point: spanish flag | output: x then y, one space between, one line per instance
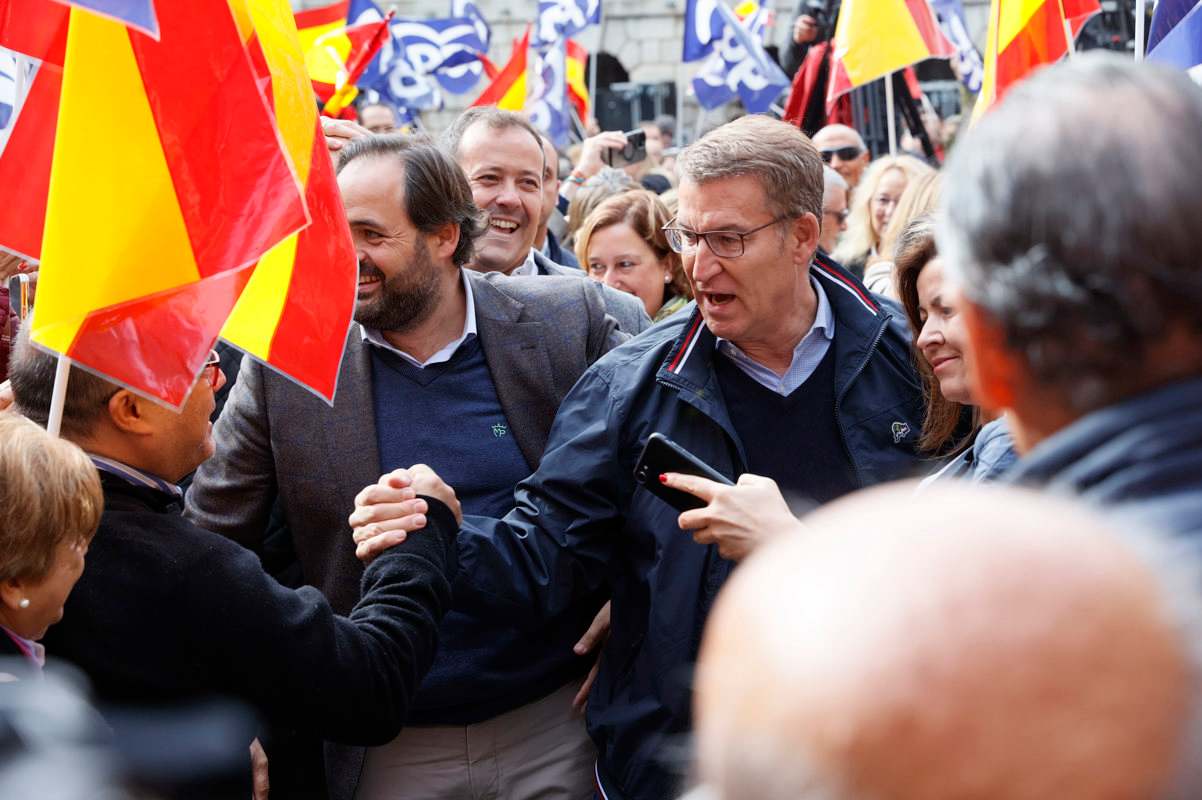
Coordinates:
178 190
167 185
337 52
295 313
577 60
508 88
875 38
1024 35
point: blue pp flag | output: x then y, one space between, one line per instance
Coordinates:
135 13
561 19
702 28
463 78
738 65
970 65
1176 36
547 101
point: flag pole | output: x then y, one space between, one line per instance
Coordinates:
592 69
1141 16
58 397
1070 47
889 115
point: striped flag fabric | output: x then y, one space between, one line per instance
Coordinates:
366 40
1024 35
35 28
297 308
875 38
148 241
26 149
508 89
139 14
1176 36
577 81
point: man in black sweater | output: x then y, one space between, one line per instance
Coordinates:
167 613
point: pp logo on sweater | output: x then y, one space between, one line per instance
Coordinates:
900 431
499 430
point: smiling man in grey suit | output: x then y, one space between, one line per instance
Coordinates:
502 155
449 365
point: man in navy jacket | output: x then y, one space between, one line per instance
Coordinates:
1082 306
786 367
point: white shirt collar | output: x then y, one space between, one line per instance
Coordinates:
375 337
134 475
527 267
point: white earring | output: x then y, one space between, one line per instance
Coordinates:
24 603
667 279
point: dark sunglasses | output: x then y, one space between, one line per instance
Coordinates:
844 153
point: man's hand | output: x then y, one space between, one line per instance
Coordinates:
6 396
805 29
388 510
591 160
738 517
596 635
260 784
340 131
426 481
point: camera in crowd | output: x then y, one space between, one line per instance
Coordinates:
825 13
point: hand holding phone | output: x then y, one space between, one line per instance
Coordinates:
634 151
661 455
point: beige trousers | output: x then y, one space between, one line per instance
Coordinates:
540 751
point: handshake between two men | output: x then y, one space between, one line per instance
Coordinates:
736 518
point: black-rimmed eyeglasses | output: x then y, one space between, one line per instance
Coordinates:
723 244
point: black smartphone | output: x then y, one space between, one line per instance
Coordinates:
634 151
661 454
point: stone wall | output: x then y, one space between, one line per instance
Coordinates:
645 35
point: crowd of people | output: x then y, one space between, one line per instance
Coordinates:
461 580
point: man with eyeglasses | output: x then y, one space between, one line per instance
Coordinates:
844 149
785 367
834 209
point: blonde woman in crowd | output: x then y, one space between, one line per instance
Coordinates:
622 244
872 206
50 505
920 197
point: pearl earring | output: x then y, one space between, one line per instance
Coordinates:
667 279
24 603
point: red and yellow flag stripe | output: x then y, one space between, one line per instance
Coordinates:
296 310
1024 35
168 183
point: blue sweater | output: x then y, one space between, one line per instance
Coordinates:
448 416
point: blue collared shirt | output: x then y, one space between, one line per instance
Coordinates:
806 356
135 476
375 337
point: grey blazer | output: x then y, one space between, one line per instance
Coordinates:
625 308
538 335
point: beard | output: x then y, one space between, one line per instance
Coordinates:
406 299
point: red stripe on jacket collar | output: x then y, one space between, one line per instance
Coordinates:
827 270
686 344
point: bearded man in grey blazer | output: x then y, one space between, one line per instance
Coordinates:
443 364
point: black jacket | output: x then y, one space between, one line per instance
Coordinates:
582 520
168 613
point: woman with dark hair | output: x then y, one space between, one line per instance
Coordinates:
940 344
622 244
